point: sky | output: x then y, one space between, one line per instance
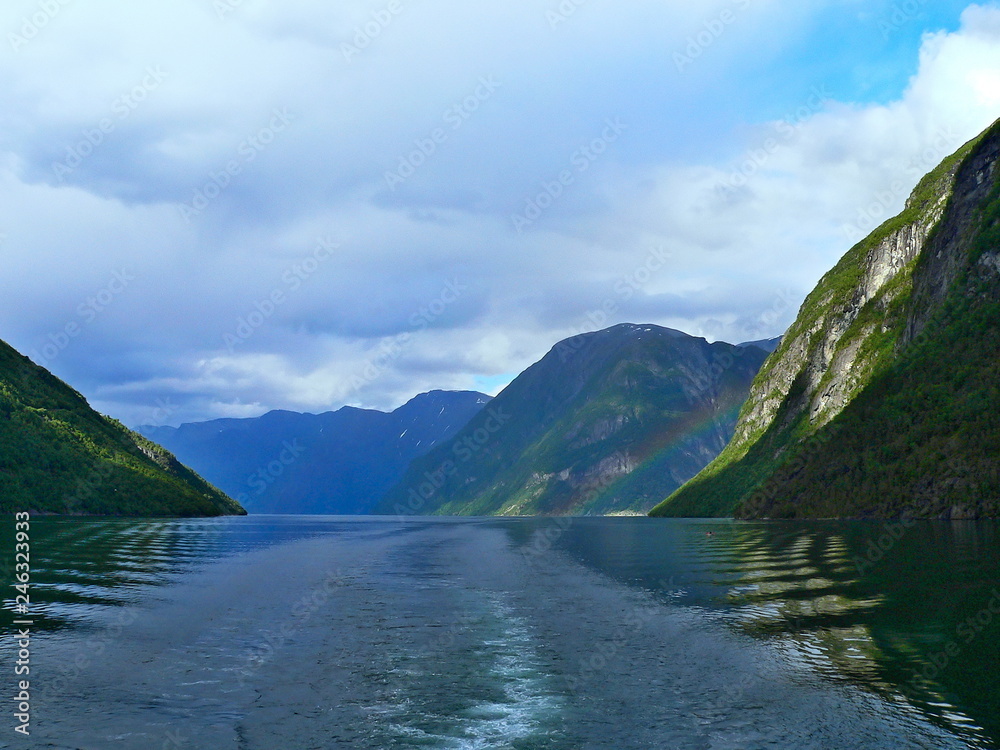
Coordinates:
215 208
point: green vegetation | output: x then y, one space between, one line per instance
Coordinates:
923 438
57 455
917 431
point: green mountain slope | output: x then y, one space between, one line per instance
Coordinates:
57 455
605 422
881 399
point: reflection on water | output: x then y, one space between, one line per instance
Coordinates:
81 567
910 612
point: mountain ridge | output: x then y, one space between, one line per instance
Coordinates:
338 462
602 423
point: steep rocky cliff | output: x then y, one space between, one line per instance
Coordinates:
607 421
866 320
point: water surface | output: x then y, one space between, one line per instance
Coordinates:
305 632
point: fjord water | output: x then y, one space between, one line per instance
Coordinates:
305 632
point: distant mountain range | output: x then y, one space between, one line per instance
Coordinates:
606 422
339 462
609 421
883 399
57 455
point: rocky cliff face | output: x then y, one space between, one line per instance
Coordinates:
851 332
833 348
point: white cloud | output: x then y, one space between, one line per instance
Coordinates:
643 231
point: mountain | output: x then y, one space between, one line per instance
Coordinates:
882 399
337 463
57 455
605 422
768 345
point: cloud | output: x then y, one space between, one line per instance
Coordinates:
206 152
